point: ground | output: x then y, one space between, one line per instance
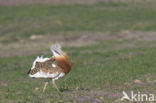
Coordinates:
112 46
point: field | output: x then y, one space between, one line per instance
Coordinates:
112 46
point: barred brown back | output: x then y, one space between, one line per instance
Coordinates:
46 66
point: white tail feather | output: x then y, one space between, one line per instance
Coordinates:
56 50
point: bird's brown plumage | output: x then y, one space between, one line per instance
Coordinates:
63 64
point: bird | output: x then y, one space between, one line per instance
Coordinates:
51 68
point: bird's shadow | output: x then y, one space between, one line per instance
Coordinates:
65 90
71 90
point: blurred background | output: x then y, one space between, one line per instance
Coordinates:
112 44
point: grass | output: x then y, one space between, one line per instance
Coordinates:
101 69
110 17
91 70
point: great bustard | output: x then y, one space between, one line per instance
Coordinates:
52 68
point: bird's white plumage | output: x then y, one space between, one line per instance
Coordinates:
42 74
56 50
60 75
53 65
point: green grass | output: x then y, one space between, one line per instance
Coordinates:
55 19
101 68
93 70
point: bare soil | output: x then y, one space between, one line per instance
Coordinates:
40 43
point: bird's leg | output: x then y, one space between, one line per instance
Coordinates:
53 82
45 85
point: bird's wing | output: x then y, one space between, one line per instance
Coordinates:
46 69
49 70
40 65
50 66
